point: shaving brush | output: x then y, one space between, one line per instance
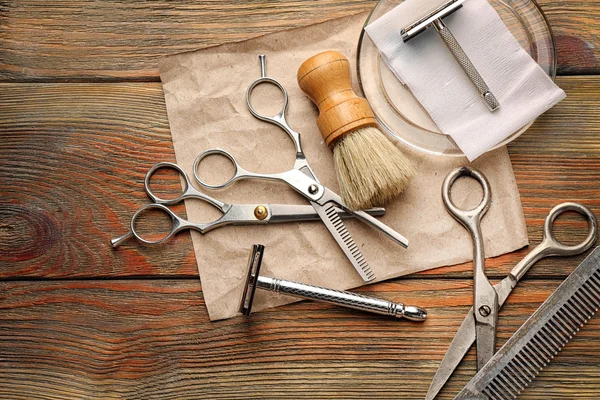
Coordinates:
370 169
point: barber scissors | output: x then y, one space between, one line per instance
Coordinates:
479 325
302 179
233 214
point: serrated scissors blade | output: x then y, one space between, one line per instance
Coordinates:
463 340
336 227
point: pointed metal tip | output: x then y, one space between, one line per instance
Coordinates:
116 242
433 391
414 313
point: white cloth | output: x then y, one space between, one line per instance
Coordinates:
435 78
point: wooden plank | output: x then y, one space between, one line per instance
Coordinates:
73 159
72 173
575 26
123 39
152 340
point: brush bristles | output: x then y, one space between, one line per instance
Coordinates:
371 171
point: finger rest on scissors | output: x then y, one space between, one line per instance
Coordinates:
466 216
116 242
553 246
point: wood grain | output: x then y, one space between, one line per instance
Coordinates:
123 39
73 159
152 340
575 26
79 320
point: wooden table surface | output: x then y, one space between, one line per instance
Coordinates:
82 117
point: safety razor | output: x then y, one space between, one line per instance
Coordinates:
434 18
309 292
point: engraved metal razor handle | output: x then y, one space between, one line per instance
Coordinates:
466 64
341 298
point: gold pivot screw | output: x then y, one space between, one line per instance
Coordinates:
260 212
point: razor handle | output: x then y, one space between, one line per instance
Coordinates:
466 64
341 298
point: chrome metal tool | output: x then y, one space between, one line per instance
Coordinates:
549 247
485 298
541 337
302 179
309 292
232 214
433 17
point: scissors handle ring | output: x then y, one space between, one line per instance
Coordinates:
176 225
278 118
485 297
557 248
550 246
166 165
238 170
466 217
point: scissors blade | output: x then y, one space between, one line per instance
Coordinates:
330 196
331 219
290 213
380 226
463 340
486 341
366 217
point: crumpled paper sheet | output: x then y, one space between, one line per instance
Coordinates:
205 93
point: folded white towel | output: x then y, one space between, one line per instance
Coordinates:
427 67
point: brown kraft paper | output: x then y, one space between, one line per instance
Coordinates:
205 93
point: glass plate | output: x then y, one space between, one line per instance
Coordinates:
401 114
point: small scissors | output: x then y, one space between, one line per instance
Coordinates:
233 214
302 179
480 323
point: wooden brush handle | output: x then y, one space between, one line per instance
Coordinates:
326 80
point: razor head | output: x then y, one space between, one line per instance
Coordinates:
444 9
254 263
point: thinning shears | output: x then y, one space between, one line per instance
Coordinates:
233 214
480 323
302 179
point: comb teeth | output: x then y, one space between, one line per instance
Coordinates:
353 251
549 339
541 337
